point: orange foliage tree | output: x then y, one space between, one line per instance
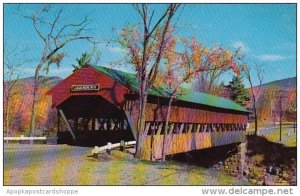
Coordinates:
184 67
146 45
267 106
14 59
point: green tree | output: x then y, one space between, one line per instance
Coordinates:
84 60
238 92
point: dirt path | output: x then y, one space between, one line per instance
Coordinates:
69 165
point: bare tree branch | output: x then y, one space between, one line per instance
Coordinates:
54 23
13 62
55 37
258 71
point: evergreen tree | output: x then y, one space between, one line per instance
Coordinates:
238 92
84 60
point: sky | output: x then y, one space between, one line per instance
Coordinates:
265 32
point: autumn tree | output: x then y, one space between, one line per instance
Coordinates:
14 59
292 105
206 82
146 44
292 111
184 67
55 32
267 105
254 90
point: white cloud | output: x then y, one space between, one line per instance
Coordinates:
270 57
242 45
115 49
28 70
62 72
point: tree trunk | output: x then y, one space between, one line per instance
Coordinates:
255 114
255 121
145 79
141 118
295 124
271 112
166 129
35 98
7 116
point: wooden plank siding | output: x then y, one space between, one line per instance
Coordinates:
184 137
110 90
190 115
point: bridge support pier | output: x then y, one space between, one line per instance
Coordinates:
242 151
235 163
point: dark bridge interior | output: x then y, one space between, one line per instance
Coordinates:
94 121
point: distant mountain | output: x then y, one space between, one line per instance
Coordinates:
268 100
21 103
43 80
283 84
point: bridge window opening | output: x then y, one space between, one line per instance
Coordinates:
157 127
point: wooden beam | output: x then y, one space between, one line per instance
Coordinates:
171 127
100 124
131 124
75 124
198 128
93 123
147 127
58 122
66 121
23 138
97 150
190 127
160 126
181 128
204 127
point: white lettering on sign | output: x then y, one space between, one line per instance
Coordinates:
85 87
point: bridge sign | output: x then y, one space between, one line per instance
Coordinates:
85 87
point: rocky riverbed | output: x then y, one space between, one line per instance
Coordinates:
270 163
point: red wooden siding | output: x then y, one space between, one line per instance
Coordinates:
109 88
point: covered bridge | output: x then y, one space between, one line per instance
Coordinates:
99 105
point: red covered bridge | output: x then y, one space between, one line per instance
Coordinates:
99 105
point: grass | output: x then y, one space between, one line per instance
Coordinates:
273 134
288 138
139 172
69 165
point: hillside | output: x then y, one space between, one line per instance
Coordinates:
284 83
268 100
21 103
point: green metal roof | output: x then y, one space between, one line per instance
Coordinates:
130 80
